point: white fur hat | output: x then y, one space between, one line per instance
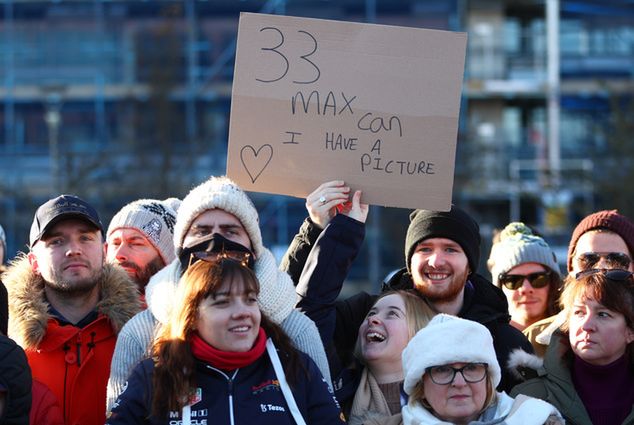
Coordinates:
448 339
154 218
224 194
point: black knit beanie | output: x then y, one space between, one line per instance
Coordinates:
455 224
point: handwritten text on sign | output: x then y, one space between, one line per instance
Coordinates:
376 106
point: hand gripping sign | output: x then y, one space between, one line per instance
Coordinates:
374 105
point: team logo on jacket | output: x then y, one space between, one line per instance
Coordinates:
268 385
196 396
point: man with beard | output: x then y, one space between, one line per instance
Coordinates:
66 306
140 238
442 251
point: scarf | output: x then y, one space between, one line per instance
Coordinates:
227 360
369 405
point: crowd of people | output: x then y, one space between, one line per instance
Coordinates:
176 313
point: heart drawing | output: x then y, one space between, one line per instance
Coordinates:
256 161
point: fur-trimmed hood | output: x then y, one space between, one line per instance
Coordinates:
28 307
523 365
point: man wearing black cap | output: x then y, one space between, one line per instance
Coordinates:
66 306
442 251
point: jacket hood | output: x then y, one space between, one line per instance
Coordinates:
28 307
483 302
276 300
523 365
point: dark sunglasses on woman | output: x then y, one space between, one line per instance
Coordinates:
515 281
613 260
612 274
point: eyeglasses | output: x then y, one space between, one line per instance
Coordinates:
614 260
445 374
515 281
612 274
211 256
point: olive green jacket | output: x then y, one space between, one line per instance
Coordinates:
553 383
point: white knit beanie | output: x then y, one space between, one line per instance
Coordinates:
448 339
154 218
224 194
173 203
517 246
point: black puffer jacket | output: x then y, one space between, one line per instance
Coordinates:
15 378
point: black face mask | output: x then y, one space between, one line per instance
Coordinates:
215 243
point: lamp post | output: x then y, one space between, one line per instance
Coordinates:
53 101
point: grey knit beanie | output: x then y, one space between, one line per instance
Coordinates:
448 339
517 246
3 237
277 293
224 194
154 218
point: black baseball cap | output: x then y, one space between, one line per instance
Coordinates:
61 208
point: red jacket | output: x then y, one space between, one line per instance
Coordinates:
44 409
73 362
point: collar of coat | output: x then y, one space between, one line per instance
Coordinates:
28 307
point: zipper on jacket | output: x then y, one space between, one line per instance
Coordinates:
232 420
78 345
230 388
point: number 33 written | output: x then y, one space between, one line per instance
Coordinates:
284 59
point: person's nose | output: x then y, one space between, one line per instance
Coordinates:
603 263
74 248
240 310
588 324
436 259
121 252
458 380
526 286
374 320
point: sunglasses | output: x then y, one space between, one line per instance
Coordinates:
212 256
515 281
612 274
614 260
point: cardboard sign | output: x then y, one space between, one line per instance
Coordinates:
376 106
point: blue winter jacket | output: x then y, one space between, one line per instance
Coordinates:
250 395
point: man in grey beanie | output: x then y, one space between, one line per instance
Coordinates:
140 239
215 207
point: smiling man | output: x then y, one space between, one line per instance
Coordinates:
442 251
66 306
140 238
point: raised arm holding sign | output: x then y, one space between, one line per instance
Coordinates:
316 100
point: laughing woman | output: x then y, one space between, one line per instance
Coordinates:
219 360
392 321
